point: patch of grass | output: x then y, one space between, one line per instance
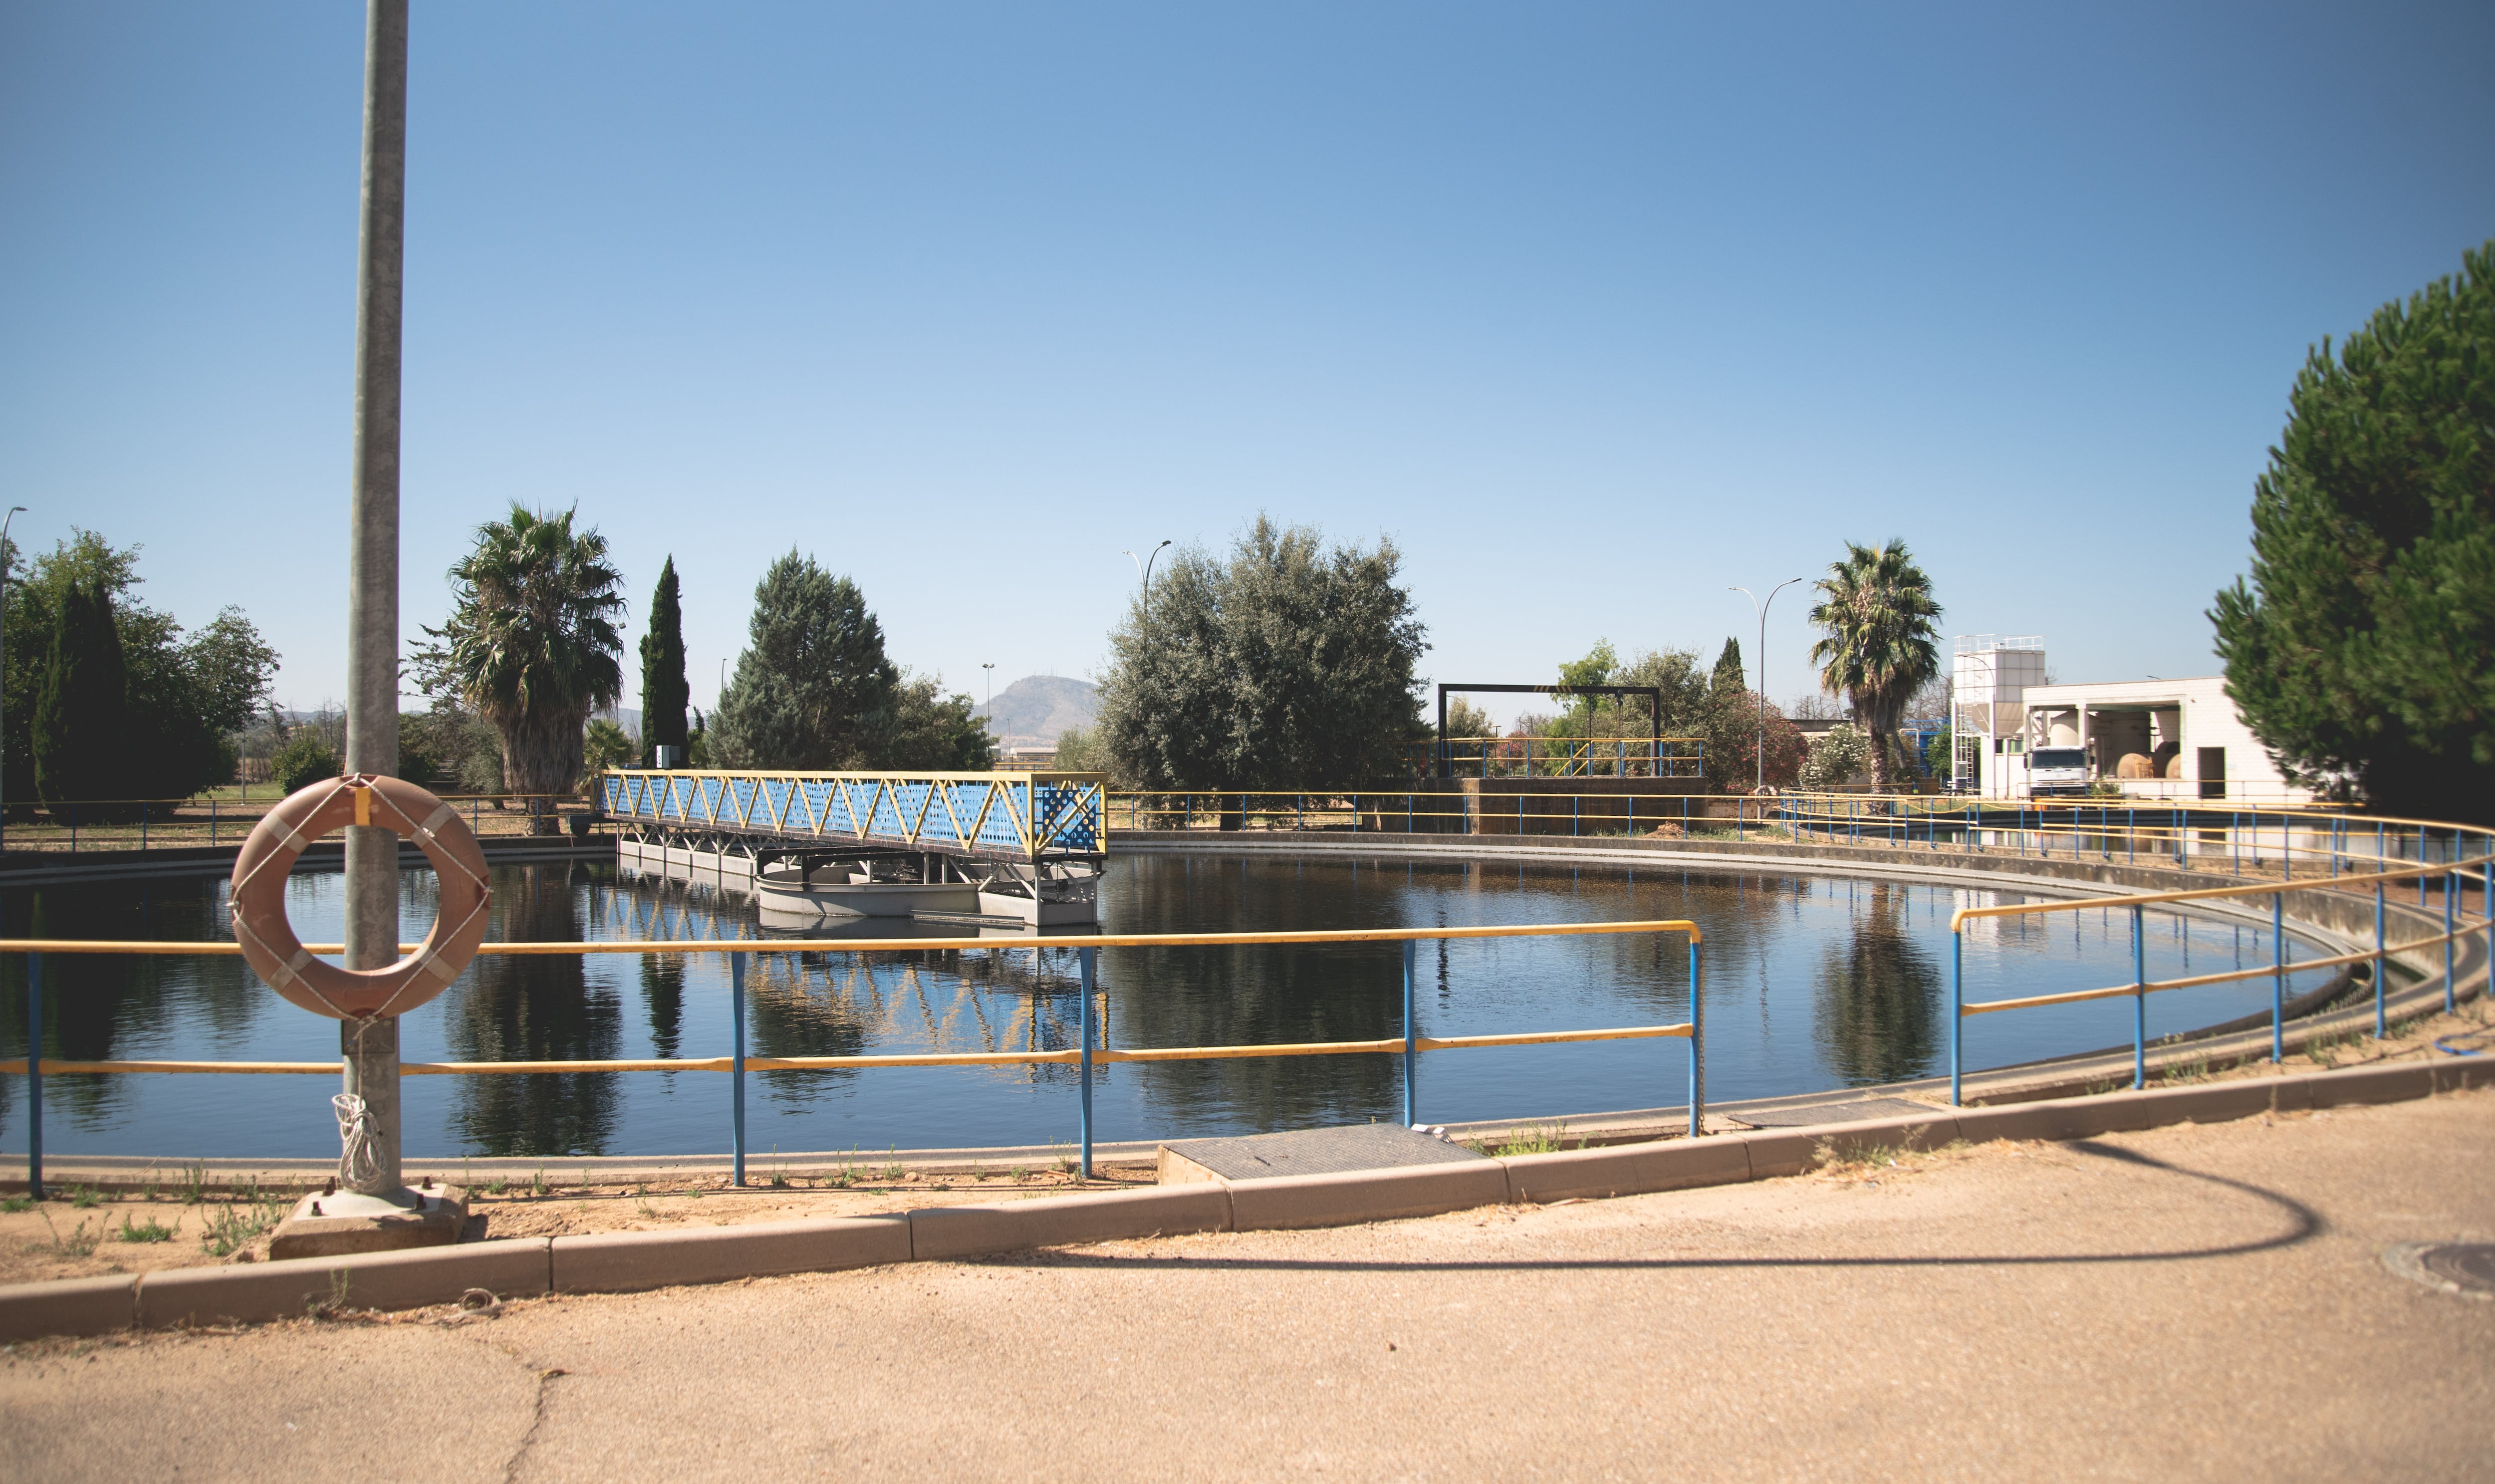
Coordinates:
16 1203
538 1181
85 1196
2328 1047
236 1225
497 1185
80 1243
194 1188
154 1231
1540 1139
778 1171
2193 1070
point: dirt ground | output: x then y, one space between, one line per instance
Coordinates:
85 1232
2188 1302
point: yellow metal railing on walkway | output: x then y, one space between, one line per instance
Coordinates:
737 1063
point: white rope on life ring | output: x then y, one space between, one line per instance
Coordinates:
267 858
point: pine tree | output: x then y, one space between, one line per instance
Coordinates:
664 693
81 716
2362 651
815 690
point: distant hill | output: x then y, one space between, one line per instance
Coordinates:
1032 711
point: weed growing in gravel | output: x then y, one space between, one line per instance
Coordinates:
84 1196
2326 1047
80 1243
1540 1139
154 1231
16 1203
235 1225
195 1182
538 1183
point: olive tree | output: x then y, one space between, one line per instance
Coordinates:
1284 664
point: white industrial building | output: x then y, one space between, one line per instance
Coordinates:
2177 739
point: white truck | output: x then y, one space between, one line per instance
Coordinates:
2058 770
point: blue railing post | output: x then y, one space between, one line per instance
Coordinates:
35 1075
2382 967
2139 1007
1411 1044
1697 1042
2447 928
2278 977
736 1064
1958 1007
1091 959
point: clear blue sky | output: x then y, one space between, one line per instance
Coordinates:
1593 309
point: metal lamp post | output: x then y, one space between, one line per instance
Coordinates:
1763 665
14 511
371 1045
1144 564
992 694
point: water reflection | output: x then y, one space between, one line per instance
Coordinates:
1810 984
1879 994
534 1010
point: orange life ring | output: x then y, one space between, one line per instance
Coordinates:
268 941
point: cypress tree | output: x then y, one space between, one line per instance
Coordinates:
81 716
2362 651
1729 674
665 692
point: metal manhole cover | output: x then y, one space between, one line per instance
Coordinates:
2465 1268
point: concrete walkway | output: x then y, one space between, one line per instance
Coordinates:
2186 1303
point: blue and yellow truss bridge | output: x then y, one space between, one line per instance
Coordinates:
1028 818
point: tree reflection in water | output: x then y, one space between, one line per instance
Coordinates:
1879 994
531 1008
98 1008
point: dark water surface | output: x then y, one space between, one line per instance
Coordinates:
1811 983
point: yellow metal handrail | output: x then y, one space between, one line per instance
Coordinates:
1409 1044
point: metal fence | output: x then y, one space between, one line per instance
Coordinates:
2453 876
1548 756
736 1064
73 826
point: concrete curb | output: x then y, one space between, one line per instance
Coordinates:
630 1261
252 1293
69 1306
627 1262
937 1233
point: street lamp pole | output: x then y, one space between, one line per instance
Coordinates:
1763 665
1144 564
992 694
14 511
371 1045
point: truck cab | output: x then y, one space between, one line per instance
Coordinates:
2058 770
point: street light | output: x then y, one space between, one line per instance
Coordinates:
992 694
1763 665
14 511
1144 564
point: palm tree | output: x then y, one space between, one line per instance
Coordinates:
1877 641
531 645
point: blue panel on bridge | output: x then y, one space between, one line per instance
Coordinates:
1018 815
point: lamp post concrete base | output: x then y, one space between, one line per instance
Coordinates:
338 1223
